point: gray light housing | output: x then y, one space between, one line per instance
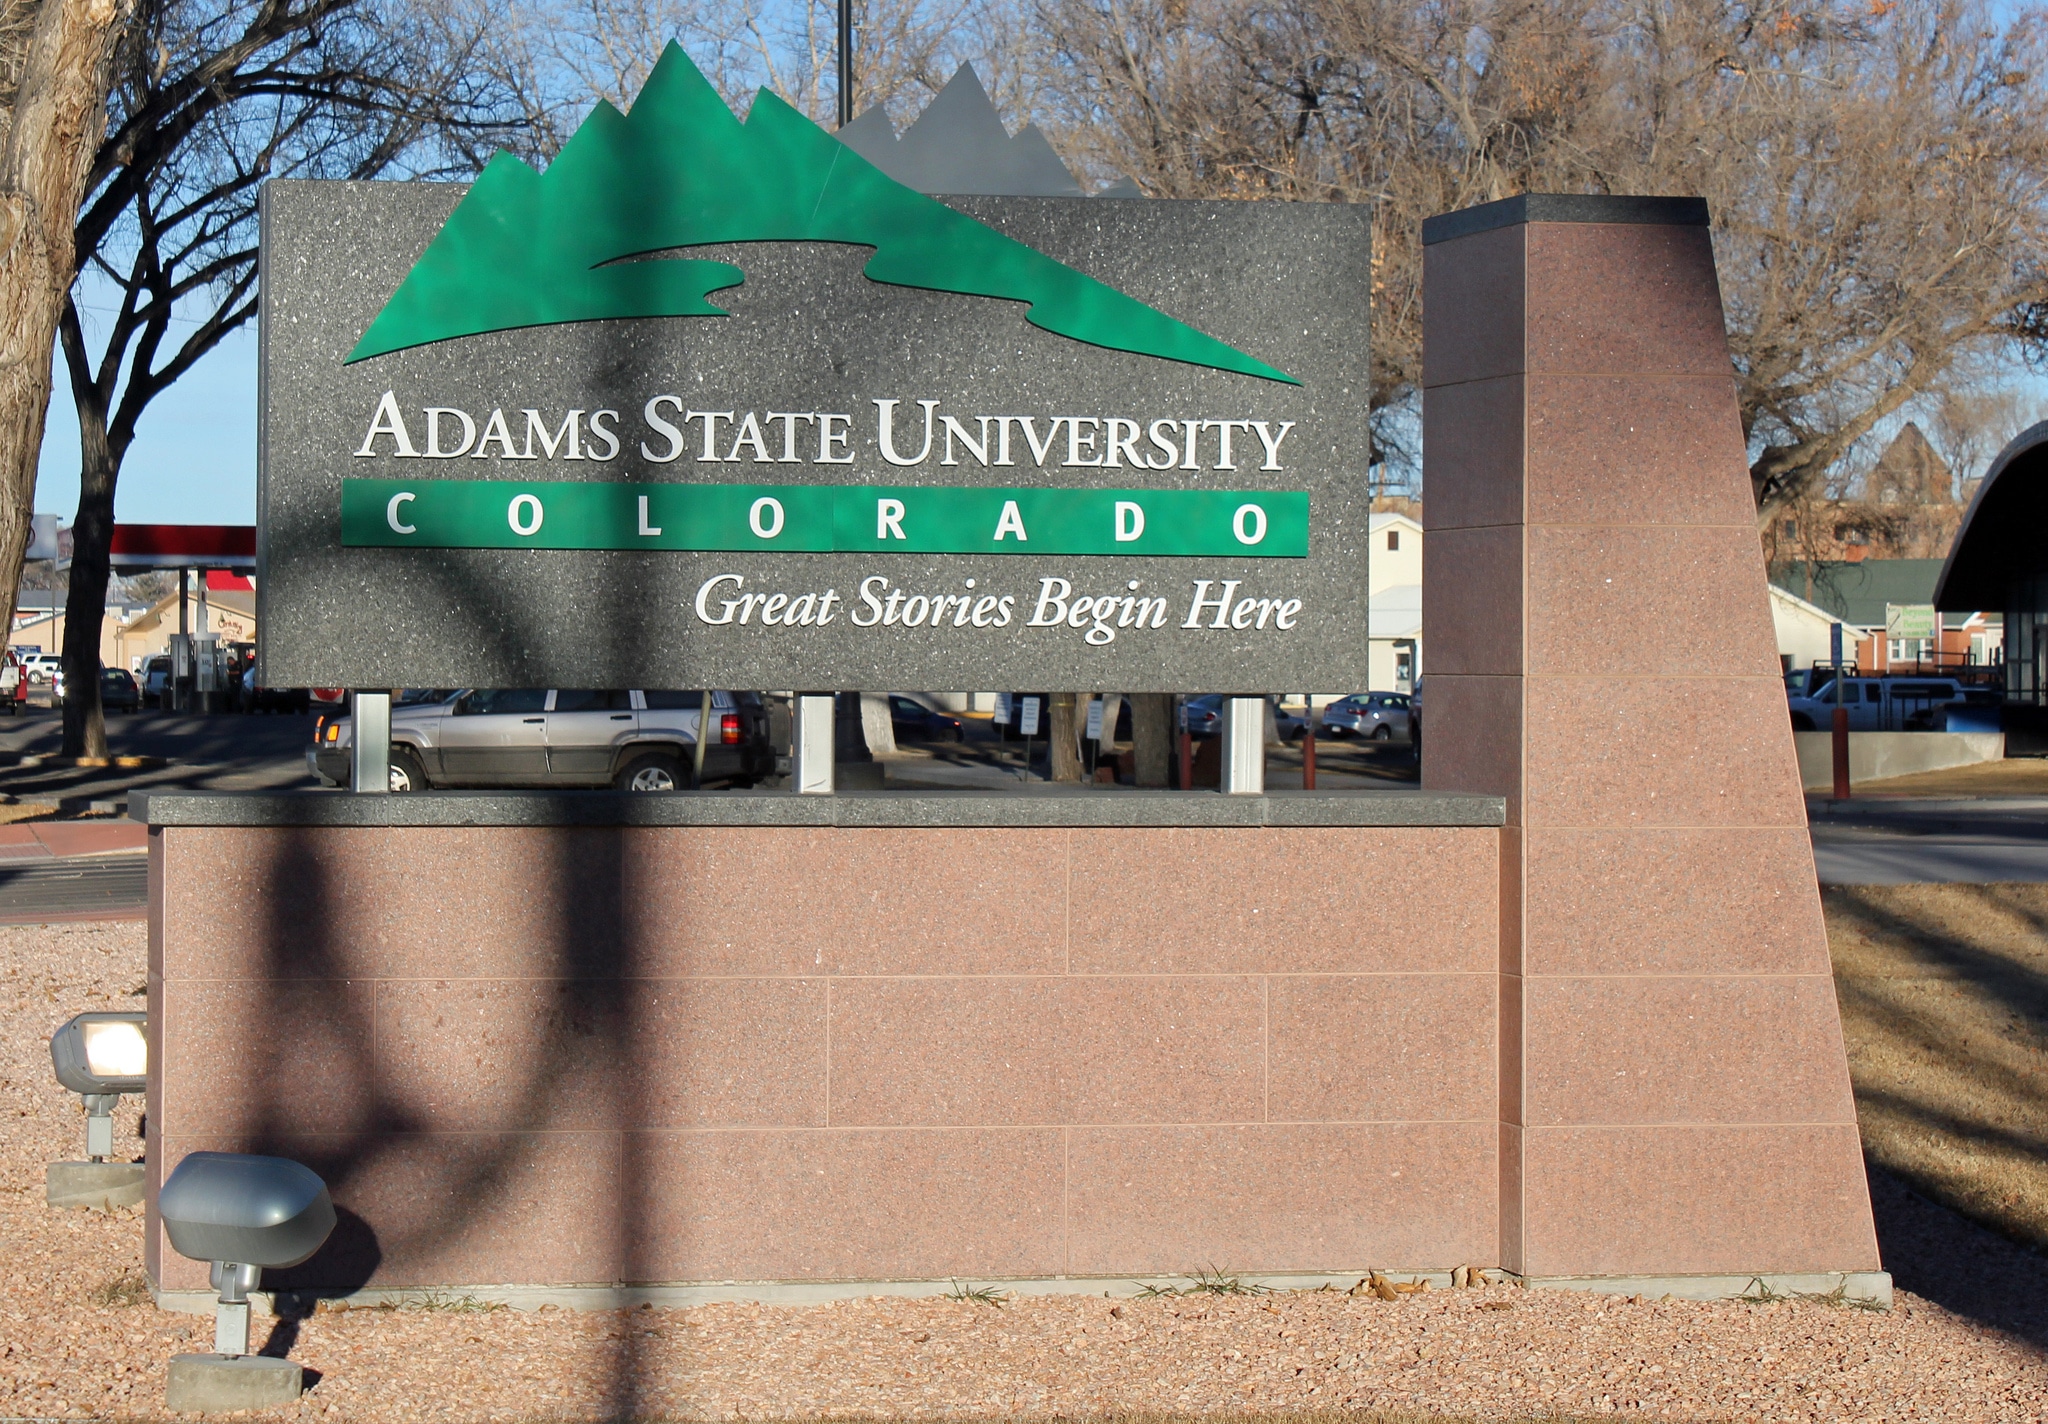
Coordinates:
67 1053
257 1211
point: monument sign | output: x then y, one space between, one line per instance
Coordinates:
712 402
749 1044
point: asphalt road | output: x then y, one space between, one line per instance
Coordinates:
228 752
1905 842
77 887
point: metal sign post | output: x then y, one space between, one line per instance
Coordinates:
1840 729
1308 740
845 58
1027 723
812 732
1244 746
370 743
1094 733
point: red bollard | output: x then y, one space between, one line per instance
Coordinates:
1308 756
1841 747
1187 761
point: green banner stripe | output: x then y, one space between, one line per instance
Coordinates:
903 519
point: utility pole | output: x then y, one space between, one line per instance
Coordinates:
845 62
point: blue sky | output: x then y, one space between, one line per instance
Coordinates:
194 456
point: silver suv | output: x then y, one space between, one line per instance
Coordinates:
560 737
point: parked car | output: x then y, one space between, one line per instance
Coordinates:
290 701
912 721
1800 682
41 667
1875 704
118 692
632 740
156 682
1371 716
1204 717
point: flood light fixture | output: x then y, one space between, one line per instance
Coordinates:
101 1057
243 1214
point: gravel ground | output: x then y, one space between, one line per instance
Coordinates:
79 1339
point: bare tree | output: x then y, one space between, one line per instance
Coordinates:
1876 169
1151 736
1971 426
1878 175
904 51
213 97
56 59
1063 738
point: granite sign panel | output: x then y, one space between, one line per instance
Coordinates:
718 403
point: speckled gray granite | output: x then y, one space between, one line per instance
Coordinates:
1288 283
1049 807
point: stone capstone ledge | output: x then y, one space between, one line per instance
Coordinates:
1050 806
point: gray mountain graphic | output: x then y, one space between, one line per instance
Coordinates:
958 145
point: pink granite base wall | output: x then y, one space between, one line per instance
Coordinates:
571 1056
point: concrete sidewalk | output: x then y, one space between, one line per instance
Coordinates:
52 872
47 840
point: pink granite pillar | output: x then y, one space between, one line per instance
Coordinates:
1674 1098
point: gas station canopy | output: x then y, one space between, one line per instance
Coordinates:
184 546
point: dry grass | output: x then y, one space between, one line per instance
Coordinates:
1944 992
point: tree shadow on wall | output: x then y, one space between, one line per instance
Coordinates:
380 1134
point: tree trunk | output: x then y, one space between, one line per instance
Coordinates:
92 539
58 121
1151 735
1065 751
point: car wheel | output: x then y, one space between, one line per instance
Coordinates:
654 771
1383 734
1801 722
406 772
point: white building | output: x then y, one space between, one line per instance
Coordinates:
1804 629
1395 590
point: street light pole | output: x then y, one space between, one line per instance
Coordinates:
845 62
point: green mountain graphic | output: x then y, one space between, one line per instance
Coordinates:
531 249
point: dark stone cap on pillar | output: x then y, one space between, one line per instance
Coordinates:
1564 208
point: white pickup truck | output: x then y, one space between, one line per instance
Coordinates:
1875 704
